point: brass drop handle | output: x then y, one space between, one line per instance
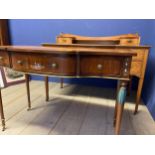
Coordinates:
99 66
1 58
54 65
19 62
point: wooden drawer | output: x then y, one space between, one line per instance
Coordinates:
64 40
4 59
45 63
101 66
136 68
20 62
129 42
53 64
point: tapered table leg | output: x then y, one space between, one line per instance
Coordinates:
2 112
139 91
116 104
121 95
115 114
27 78
61 82
46 88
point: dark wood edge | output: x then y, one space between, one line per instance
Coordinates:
74 53
67 52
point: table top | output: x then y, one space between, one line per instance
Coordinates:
74 49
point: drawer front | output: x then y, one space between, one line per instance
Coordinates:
63 65
55 64
45 64
64 40
101 66
136 68
129 42
4 59
20 62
